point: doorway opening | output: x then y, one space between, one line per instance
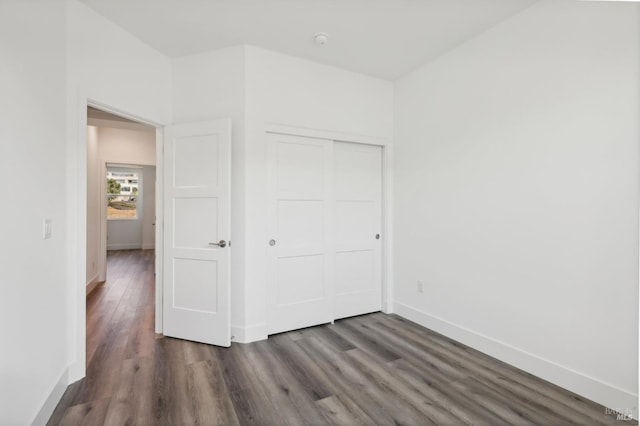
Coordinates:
120 236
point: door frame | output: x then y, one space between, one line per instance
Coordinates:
104 222
77 226
387 191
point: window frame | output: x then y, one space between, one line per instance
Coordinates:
137 176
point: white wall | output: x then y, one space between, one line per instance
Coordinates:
126 146
516 195
283 89
33 283
254 87
558 87
51 55
110 67
210 86
94 185
288 91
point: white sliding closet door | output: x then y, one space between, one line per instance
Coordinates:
357 216
300 246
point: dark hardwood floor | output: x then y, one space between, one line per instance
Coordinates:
373 369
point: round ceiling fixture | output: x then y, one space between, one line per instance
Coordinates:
321 38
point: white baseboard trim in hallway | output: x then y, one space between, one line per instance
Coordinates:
596 390
111 247
91 285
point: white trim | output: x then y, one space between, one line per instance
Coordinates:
159 248
102 259
251 333
104 246
125 246
124 164
52 400
114 124
148 246
105 164
77 207
285 129
121 113
604 393
93 282
77 235
387 229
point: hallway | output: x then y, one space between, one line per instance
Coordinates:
120 339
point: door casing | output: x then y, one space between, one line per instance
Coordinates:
77 233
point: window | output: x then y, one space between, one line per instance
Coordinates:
122 193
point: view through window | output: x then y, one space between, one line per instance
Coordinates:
123 191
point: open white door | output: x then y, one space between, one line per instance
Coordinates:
196 232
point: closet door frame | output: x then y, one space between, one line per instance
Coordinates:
387 193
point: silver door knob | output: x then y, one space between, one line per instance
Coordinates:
272 243
221 243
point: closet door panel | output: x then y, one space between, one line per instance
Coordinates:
357 227
300 246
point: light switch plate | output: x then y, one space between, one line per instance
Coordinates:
46 229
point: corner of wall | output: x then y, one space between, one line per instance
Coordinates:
252 333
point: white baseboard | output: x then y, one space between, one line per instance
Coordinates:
76 371
251 333
128 246
91 285
596 390
148 246
52 400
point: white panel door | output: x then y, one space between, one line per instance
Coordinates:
196 297
300 246
357 215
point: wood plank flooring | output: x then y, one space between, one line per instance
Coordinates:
372 369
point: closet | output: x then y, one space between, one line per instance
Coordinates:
325 222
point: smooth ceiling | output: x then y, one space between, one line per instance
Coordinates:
382 38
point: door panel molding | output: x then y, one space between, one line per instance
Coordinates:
197 185
319 229
299 263
358 218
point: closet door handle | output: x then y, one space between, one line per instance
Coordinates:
221 243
